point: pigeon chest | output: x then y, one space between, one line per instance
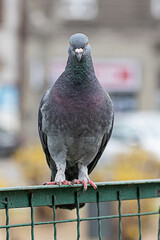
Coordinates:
79 116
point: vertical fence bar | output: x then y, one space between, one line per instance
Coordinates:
159 226
99 221
120 215
7 218
54 218
78 217
139 211
32 216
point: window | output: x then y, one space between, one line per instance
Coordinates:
155 9
78 9
1 11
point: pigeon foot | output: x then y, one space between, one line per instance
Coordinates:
76 181
65 182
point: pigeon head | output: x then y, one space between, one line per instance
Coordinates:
79 46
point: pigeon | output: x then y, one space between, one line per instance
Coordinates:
75 118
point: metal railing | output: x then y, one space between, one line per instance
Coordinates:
34 196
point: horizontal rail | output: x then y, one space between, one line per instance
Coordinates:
81 219
19 197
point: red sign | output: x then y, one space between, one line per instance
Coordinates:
115 75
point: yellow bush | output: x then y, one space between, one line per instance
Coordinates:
137 164
33 163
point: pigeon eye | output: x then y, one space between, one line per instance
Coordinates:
70 44
86 43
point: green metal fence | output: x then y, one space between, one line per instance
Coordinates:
23 197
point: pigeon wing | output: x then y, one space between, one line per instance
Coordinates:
43 136
105 140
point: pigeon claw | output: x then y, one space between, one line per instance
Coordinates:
76 181
92 184
84 185
65 182
49 183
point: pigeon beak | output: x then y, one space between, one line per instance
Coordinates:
79 53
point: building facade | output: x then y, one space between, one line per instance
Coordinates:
124 33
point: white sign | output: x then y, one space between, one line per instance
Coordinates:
119 75
78 9
115 75
155 9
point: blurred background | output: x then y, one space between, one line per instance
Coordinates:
125 43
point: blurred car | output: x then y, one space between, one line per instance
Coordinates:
134 129
8 143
